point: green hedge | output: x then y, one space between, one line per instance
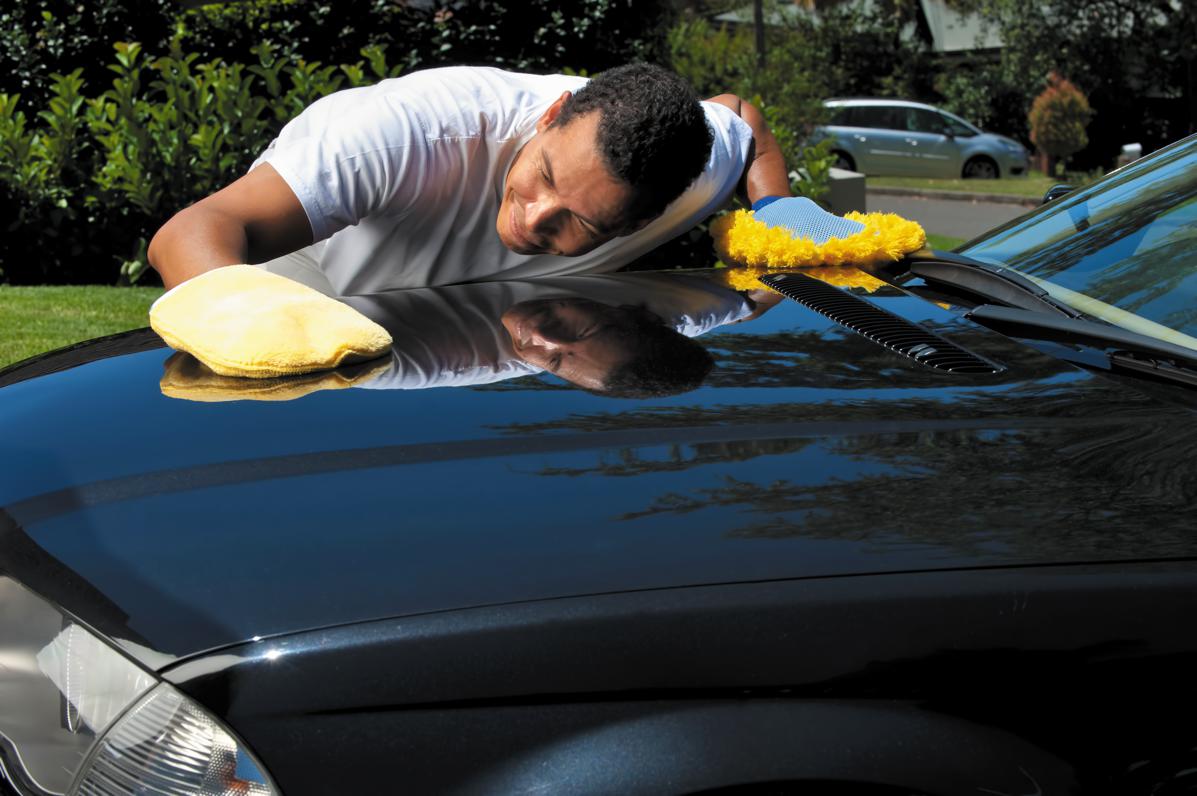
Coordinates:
87 180
95 155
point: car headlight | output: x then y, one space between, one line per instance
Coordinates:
166 744
78 717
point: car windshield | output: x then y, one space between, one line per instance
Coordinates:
1129 241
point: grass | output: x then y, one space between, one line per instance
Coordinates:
1032 186
38 319
943 242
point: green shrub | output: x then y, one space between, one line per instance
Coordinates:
88 180
1058 120
39 38
94 157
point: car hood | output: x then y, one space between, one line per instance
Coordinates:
178 522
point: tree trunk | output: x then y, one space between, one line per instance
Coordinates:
758 22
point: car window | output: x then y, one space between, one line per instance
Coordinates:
1130 240
921 120
880 117
956 127
842 117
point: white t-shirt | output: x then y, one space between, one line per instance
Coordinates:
402 180
452 336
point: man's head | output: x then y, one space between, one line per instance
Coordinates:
605 161
622 351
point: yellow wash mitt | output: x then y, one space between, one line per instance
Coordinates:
243 321
795 233
838 275
187 378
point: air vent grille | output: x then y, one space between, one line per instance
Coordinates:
882 327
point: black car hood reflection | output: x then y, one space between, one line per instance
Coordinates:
182 526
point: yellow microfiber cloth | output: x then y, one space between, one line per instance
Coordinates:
745 278
243 321
792 233
796 233
186 378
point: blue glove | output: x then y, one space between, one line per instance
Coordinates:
803 218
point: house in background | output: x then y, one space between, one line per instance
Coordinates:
947 31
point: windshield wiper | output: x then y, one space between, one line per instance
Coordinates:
990 282
1125 350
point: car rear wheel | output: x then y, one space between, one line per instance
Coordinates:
844 161
980 168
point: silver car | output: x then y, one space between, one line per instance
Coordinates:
880 136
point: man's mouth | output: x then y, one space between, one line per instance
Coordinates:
519 234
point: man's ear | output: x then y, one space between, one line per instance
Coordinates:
552 112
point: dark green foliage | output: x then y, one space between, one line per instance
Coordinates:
527 35
1134 59
41 37
96 155
85 183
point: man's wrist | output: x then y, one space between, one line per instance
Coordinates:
765 201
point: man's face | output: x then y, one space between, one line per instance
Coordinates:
579 340
558 197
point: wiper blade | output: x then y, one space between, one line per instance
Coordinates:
1125 349
990 282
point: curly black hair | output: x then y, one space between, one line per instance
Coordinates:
664 361
653 134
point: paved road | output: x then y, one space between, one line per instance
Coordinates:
958 219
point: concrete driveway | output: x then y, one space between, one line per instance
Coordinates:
957 218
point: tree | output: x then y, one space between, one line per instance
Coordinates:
1134 60
1058 119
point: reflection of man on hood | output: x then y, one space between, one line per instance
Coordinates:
625 334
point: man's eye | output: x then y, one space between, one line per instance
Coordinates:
555 363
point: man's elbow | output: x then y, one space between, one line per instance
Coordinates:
159 251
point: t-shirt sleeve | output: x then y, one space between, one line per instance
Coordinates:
349 155
730 149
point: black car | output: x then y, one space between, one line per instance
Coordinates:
933 535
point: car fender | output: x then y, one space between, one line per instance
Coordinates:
691 748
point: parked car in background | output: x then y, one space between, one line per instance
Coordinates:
898 137
832 569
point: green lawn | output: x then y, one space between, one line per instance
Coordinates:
37 319
1033 185
943 242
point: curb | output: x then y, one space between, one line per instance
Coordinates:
960 196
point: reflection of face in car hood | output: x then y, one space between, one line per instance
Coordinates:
454 335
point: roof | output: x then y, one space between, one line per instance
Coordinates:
838 101
951 31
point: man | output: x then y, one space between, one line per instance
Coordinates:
464 174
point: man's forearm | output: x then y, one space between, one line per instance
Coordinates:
766 174
195 240
255 219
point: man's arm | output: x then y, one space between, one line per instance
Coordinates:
766 173
256 218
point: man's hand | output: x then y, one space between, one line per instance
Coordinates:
257 218
766 173
243 321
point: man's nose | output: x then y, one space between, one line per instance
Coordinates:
540 213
